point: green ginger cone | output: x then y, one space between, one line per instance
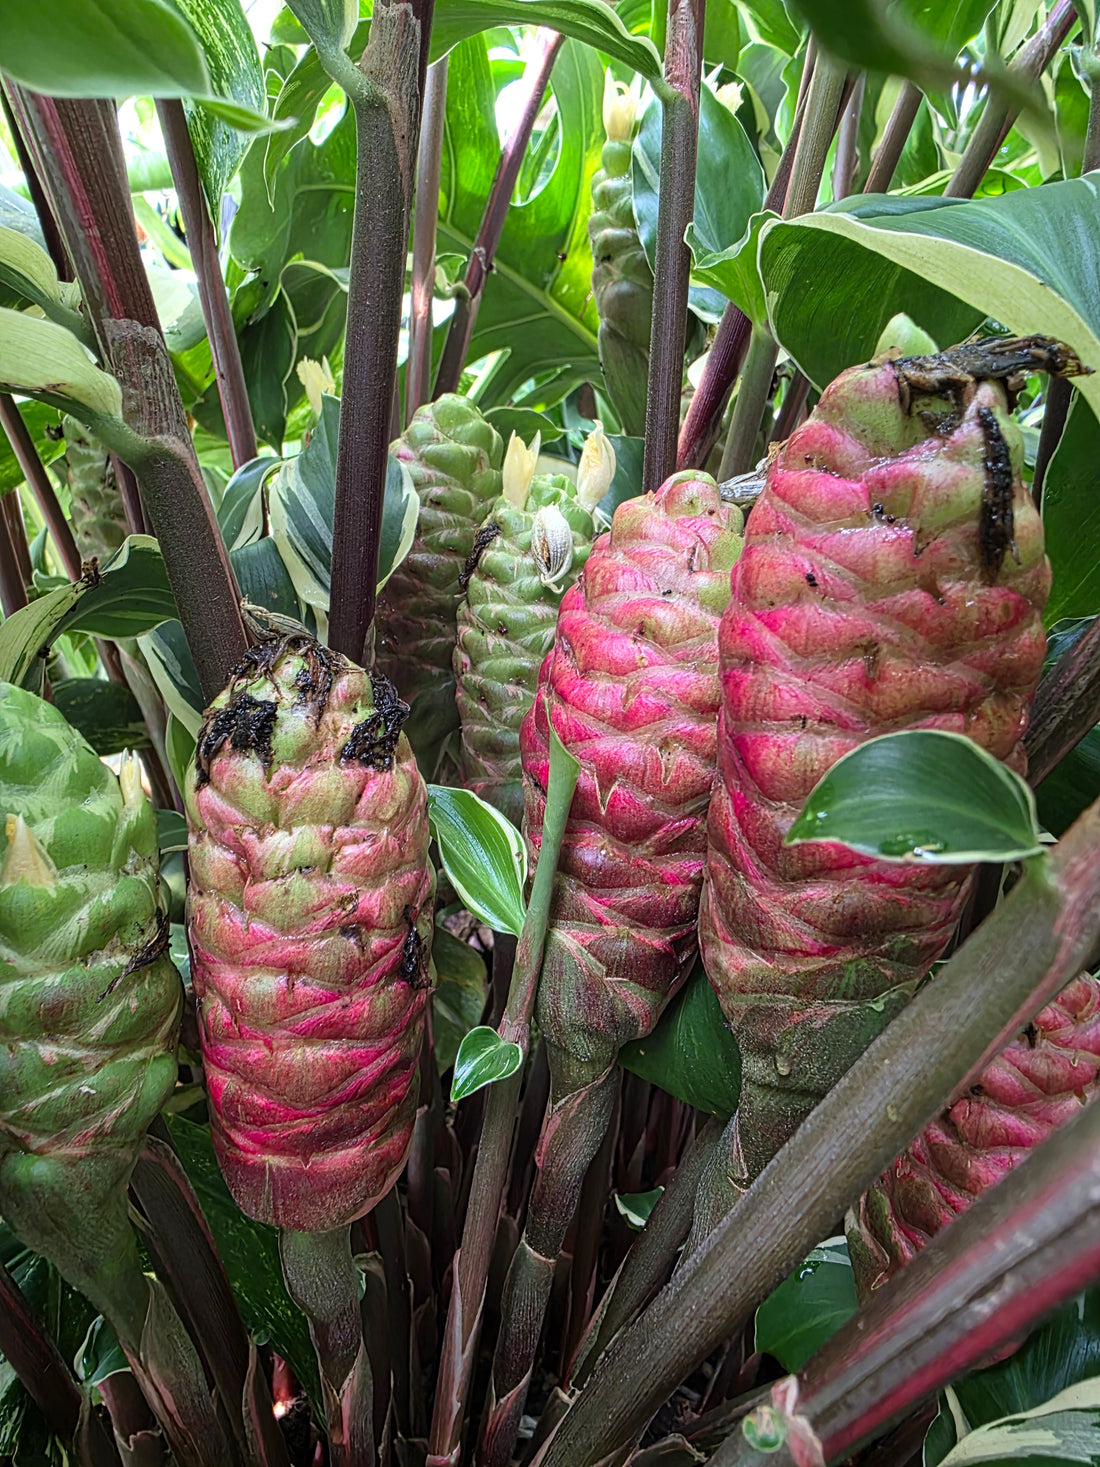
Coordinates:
622 281
527 554
97 511
454 456
89 1014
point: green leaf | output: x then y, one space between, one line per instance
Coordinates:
26 268
250 1253
106 713
483 855
1071 516
240 513
1071 786
237 80
691 1054
269 345
537 309
952 24
130 597
27 634
459 996
173 670
45 360
733 272
808 1307
101 48
627 483
923 796
635 1207
328 23
1061 1432
38 417
302 499
729 188
1028 259
483 1059
524 422
101 1354
179 743
591 21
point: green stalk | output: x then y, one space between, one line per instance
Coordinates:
1042 934
418 369
894 137
322 1279
679 96
739 454
471 1266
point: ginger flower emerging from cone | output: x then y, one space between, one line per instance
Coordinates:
520 462
310 915
620 106
596 468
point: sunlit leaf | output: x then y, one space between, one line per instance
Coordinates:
483 855
483 1059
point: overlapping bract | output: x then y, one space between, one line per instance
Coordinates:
506 622
98 514
453 456
1033 1086
631 689
89 999
893 578
310 913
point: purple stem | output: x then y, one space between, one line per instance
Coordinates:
535 78
672 267
203 246
26 455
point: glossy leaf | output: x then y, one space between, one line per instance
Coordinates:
483 855
44 360
250 1252
1029 259
733 272
537 308
1071 516
1071 786
38 417
459 996
130 597
635 1207
102 48
1056 1357
302 499
179 744
173 671
236 77
483 1058
27 634
691 1054
809 1307
951 24
923 796
26 268
591 21
729 187
328 23
106 713
240 513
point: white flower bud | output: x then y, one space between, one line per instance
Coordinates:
730 96
619 108
129 779
519 468
552 545
317 379
596 468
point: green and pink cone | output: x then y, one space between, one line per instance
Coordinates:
1034 1086
526 555
893 578
453 457
310 914
631 689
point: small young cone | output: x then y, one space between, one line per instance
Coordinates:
622 280
526 557
1035 1085
310 917
453 456
893 578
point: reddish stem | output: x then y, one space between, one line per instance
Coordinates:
26 455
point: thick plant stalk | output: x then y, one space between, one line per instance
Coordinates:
536 77
630 680
1019 1253
384 93
895 136
78 154
429 161
894 577
90 1015
310 919
530 550
1067 705
1045 932
679 99
14 562
203 247
622 281
1034 1086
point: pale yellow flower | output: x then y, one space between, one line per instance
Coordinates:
596 468
619 109
519 468
317 379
